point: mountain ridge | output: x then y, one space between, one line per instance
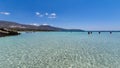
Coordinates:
25 27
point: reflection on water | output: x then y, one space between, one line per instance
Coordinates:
60 50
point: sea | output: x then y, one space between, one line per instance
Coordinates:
60 50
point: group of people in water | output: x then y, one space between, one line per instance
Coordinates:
98 32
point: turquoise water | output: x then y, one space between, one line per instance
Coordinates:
60 50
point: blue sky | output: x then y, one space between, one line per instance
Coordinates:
79 14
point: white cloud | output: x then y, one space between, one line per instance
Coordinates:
35 24
52 15
45 24
5 13
46 14
39 14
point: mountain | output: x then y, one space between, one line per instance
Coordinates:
14 25
24 27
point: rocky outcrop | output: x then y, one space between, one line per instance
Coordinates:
7 32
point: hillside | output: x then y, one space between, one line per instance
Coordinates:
23 27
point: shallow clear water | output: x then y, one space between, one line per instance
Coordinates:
60 50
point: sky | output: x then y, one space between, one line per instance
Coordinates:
71 14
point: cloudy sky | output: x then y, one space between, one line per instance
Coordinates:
83 14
